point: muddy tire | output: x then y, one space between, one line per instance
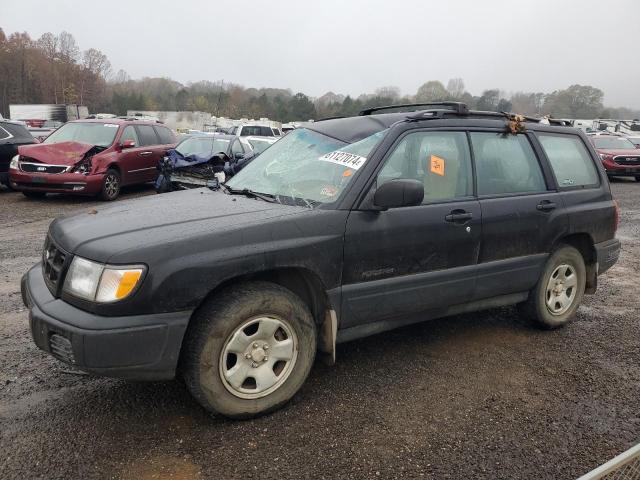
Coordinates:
555 299
248 350
110 185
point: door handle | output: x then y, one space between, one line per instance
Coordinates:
458 216
144 154
546 206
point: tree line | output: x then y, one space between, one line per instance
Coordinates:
53 69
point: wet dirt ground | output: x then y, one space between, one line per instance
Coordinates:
474 396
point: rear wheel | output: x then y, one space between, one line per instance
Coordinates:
249 350
110 185
557 296
30 194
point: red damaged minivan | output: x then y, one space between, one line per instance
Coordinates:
91 157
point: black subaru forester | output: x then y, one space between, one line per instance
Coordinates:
343 229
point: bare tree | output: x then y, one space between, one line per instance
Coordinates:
455 87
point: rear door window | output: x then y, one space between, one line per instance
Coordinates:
506 164
147 135
4 134
570 160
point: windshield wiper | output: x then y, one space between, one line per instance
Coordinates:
249 193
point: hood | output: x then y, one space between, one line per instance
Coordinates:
615 152
63 153
162 219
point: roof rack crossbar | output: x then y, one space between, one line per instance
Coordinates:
459 107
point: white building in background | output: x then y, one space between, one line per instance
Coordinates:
200 121
175 120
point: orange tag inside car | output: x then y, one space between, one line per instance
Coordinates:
437 165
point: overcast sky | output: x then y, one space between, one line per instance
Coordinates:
353 47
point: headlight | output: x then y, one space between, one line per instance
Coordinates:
603 156
14 162
101 283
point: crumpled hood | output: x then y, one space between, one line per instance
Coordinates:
164 220
623 153
63 153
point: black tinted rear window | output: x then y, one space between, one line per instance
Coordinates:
16 130
165 135
147 135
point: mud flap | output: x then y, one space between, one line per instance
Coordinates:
327 340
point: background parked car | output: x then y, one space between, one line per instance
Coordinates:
91 157
254 131
619 155
260 144
203 160
12 135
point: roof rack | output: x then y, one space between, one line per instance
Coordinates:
458 107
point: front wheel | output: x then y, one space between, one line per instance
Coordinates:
249 350
110 186
555 299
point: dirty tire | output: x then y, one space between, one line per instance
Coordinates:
110 186
34 194
214 325
536 308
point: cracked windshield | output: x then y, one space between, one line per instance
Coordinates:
307 165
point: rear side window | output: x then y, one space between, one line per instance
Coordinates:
165 135
571 163
19 131
147 135
3 134
506 164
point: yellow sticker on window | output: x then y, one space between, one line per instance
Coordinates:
437 165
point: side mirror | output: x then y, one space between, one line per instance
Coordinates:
399 193
127 144
238 156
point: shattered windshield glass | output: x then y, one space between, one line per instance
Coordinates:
98 134
306 164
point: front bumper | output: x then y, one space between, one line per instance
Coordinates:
613 168
56 182
136 347
607 254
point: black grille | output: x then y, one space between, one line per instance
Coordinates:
41 168
53 264
61 348
48 186
627 160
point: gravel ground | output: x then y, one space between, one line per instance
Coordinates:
480 395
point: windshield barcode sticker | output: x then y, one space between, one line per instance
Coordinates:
345 159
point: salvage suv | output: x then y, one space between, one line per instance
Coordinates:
91 157
343 229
